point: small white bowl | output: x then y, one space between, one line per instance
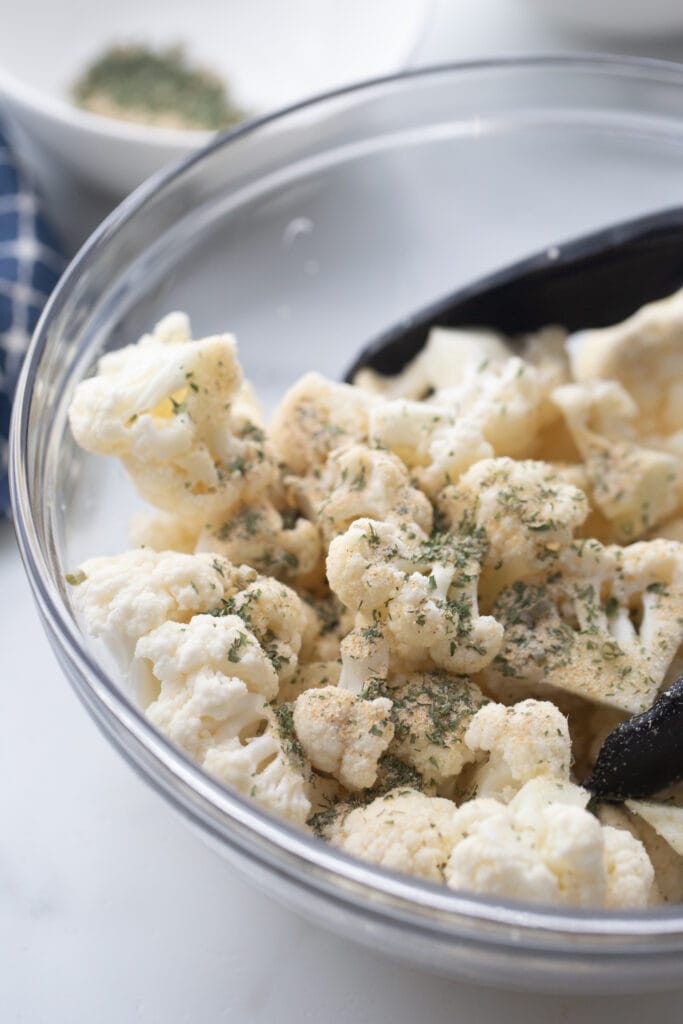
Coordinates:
271 54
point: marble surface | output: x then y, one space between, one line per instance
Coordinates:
110 909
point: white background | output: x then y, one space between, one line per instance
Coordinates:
110 910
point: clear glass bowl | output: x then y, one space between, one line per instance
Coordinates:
306 234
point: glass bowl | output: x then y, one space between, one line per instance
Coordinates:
306 233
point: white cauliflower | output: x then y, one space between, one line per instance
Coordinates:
283 545
213 678
665 819
443 362
122 597
213 681
343 735
420 592
635 487
361 482
278 618
546 351
403 830
523 742
644 354
162 531
527 514
176 413
315 417
630 874
505 400
311 676
431 712
434 440
364 657
543 847
605 625
261 770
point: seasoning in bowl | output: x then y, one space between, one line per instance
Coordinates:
156 87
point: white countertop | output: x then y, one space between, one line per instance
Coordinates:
111 910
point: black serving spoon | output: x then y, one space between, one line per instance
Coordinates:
593 281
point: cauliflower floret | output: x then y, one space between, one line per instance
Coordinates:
528 514
447 356
174 411
421 592
162 531
505 400
433 440
278 618
259 535
665 819
523 742
604 626
633 486
258 768
546 351
361 482
342 734
403 831
643 353
122 597
666 860
213 680
630 874
544 847
311 676
315 417
431 712
364 657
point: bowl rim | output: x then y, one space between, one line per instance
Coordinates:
224 814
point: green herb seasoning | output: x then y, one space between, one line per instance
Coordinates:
155 87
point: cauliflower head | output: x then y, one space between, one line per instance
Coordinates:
280 544
434 441
214 681
361 482
179 416
431 713
315 417
403 830
443 362
523 742
542 847
526 512
643 353
419 591
634 487
122 597
604 626
505 400
342 734
665 819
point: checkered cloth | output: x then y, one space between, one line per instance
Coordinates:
30 265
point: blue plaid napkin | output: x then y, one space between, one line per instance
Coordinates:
30 265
